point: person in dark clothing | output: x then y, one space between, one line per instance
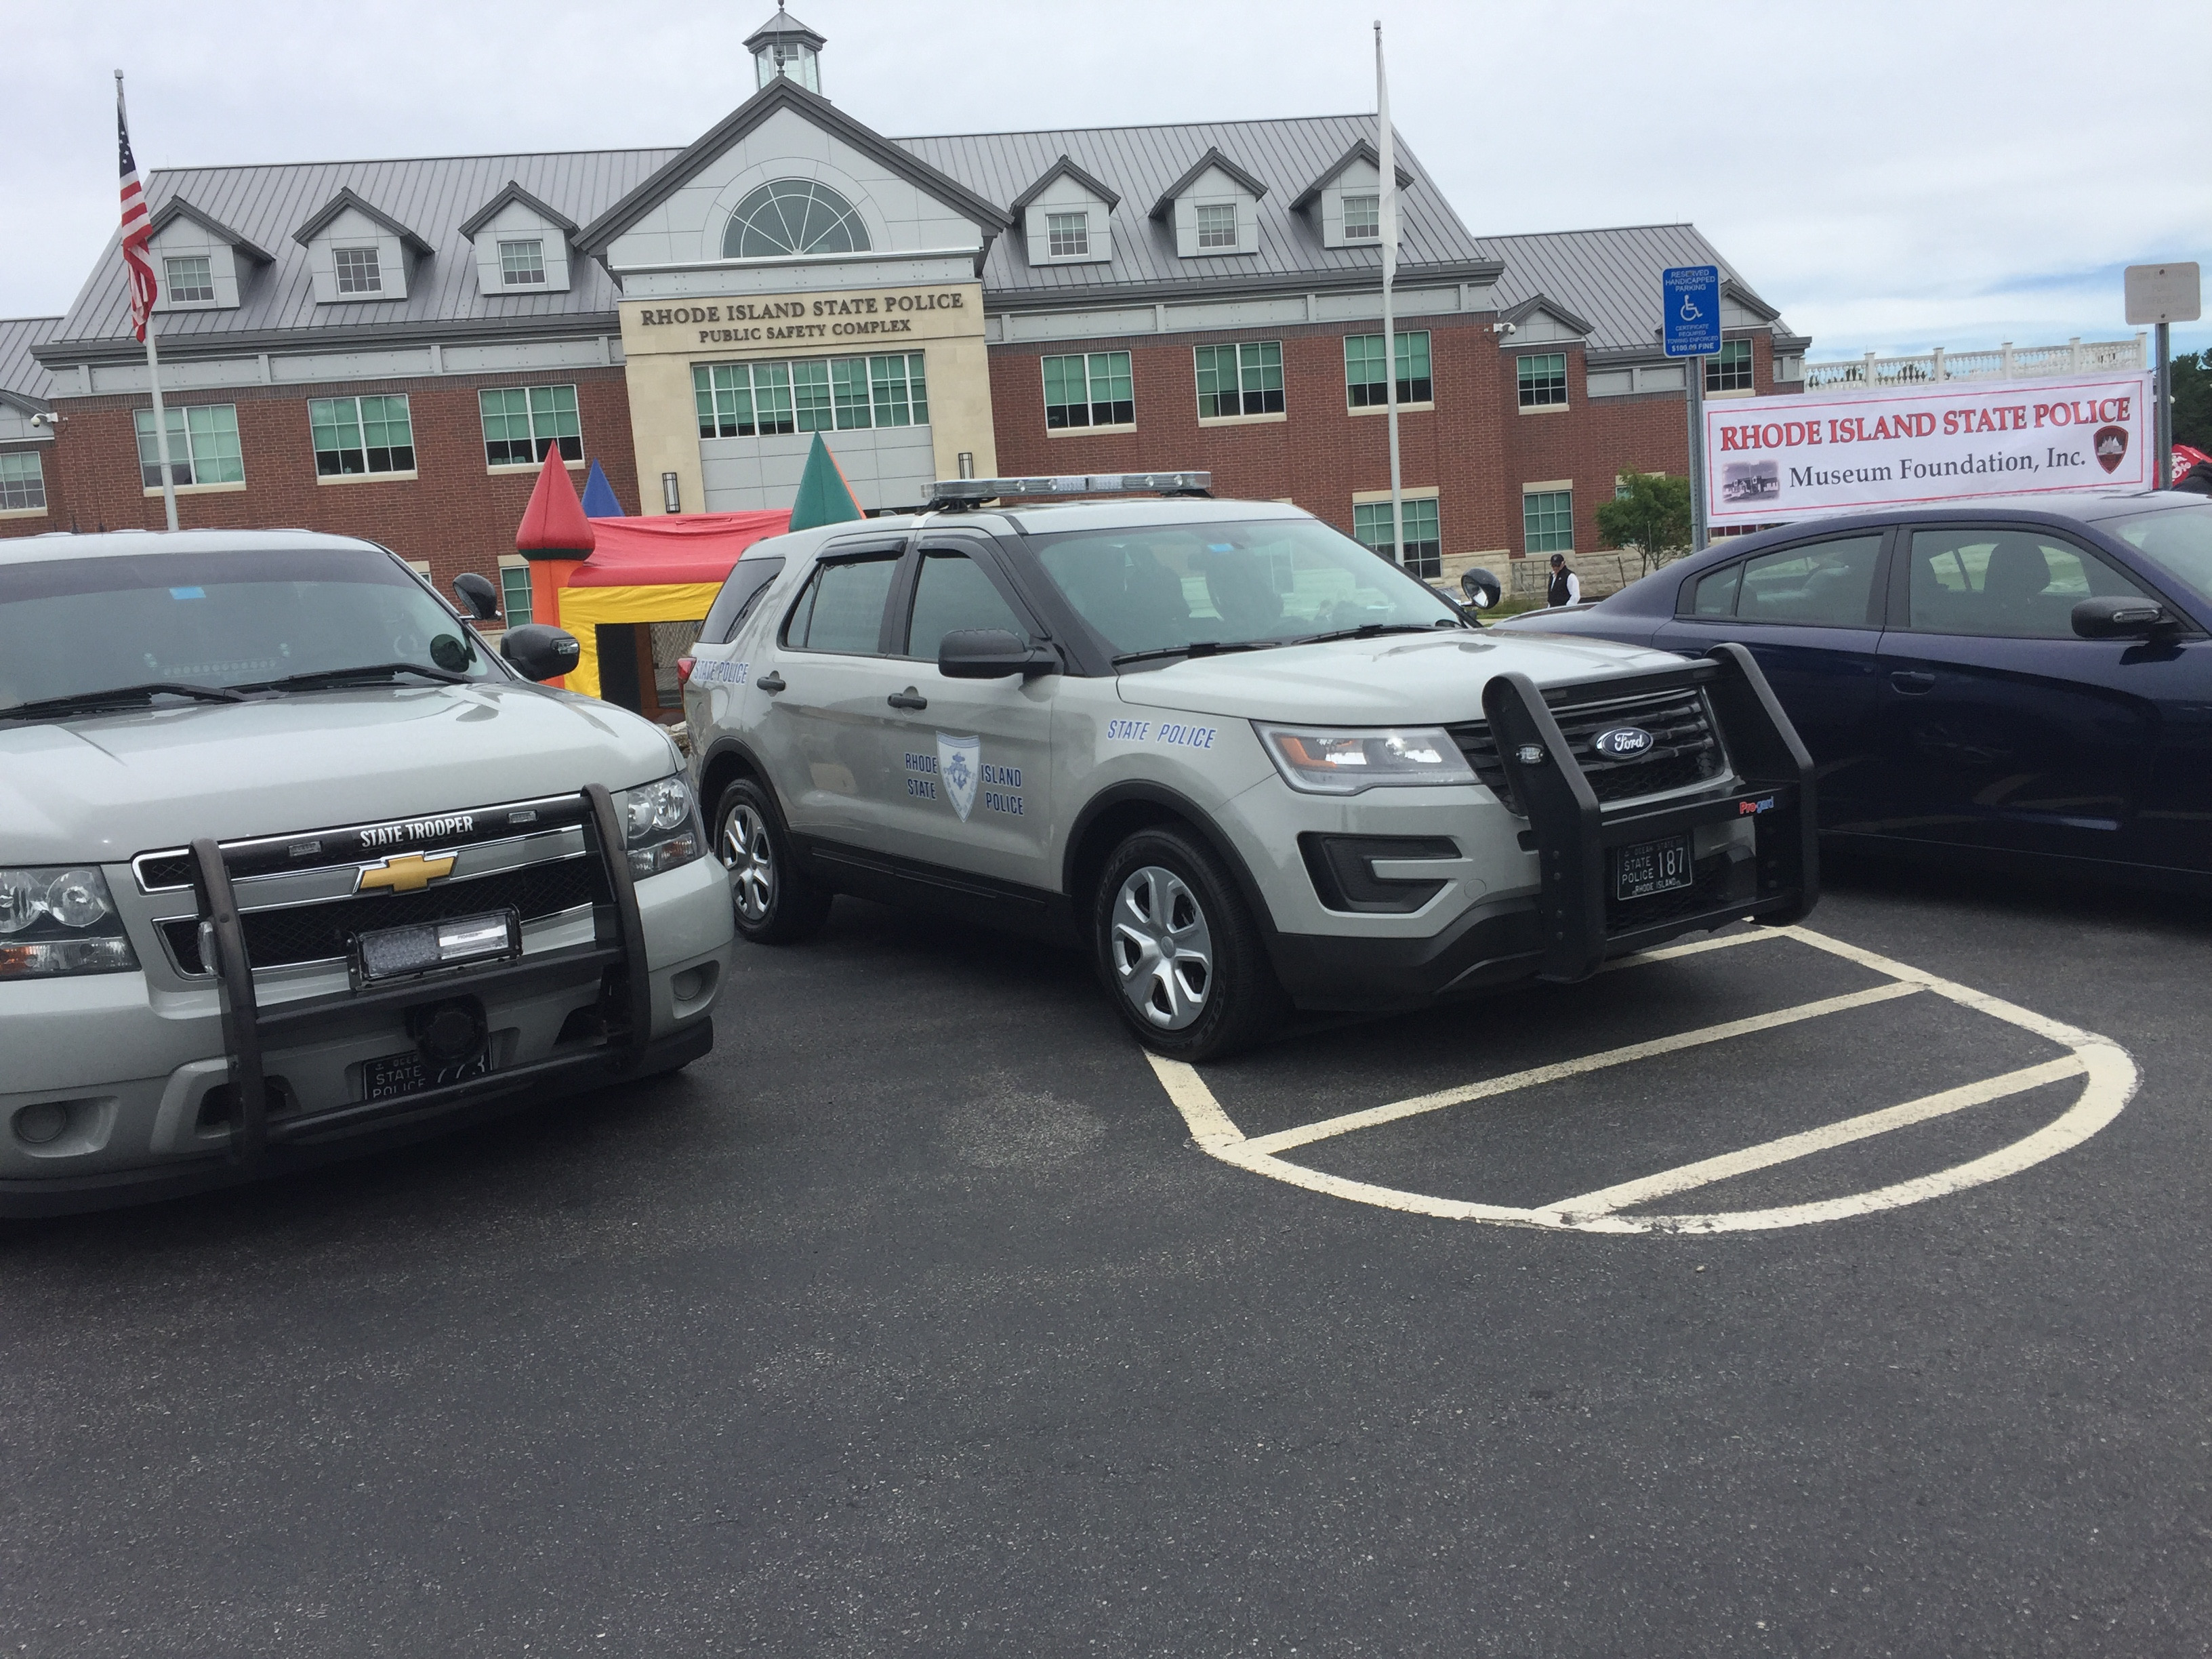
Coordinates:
1566 588
2197 481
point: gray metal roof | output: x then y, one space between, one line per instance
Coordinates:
20 376
432 197
1607 278
1142 163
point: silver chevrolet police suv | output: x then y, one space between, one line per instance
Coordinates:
1240 758
291 864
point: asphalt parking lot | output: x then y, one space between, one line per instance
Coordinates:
927 1316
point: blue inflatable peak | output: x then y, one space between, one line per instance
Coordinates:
599 501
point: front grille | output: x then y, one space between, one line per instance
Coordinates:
1685 749
317 932
165 870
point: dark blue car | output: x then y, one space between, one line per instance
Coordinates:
2029 676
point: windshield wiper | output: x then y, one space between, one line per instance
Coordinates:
322 676
149 690
1369 630
1197 649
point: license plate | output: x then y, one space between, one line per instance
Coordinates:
390 1076
1652 866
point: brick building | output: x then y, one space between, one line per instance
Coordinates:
390 348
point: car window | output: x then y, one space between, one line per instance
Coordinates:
1715 595
2003 584
1829 583
952 592
1164 587
2177 539
749 579
842 608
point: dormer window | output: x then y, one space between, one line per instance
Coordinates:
522 264
1216 224
1363 218
191 279
1068 235
357 268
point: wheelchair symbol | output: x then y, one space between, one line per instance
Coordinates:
1690 312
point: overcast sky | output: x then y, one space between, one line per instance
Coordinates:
1894 174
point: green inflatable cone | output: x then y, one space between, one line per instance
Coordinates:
823 496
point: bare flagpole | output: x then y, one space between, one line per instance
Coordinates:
1387 216
153 355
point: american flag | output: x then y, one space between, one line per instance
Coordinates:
138 225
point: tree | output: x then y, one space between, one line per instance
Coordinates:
1653 516
2193 399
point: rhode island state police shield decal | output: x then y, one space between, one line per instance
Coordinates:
958 762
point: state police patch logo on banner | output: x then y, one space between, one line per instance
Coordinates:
958 762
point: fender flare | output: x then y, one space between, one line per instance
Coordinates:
1186 811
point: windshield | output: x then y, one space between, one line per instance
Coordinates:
2178 541
1166 588
72 628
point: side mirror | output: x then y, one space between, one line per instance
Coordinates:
479 594
1480 587
991 653
539 651
2120 619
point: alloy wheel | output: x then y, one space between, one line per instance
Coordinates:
1163 950
750 862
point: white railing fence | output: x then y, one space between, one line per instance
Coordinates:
2008 363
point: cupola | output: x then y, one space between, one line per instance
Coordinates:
784 46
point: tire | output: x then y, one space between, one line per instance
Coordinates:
1178 951
771 900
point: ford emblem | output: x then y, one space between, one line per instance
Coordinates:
1622 743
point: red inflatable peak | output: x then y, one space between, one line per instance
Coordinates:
554 522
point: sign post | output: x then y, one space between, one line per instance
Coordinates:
2164 295
1690 310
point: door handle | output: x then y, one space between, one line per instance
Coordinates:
770 682
906 699
1912 681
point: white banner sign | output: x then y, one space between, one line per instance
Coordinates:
1772 459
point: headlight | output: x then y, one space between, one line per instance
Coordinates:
662 823
60 920
1344 763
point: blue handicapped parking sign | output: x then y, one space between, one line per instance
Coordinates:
1691 309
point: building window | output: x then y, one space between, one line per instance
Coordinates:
1240 380
1731 370
203 446
813 394
793 215
1424 546
357 271
522 423
22 483
1216 224
189 279
1362 369
522 264
1068 235
355 435
515 592
1543 380
1547 520
1363 218
1092 390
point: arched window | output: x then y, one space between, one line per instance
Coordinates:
793 215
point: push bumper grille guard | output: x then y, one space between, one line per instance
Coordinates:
1574 835
247 1029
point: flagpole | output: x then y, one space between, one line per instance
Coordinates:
1387 215
154 372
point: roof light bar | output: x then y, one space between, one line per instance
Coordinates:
969 492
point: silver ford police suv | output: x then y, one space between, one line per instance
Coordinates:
290 865
1243 760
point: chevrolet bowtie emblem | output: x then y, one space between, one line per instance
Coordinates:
410 873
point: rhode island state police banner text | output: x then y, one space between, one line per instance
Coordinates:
1771 459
